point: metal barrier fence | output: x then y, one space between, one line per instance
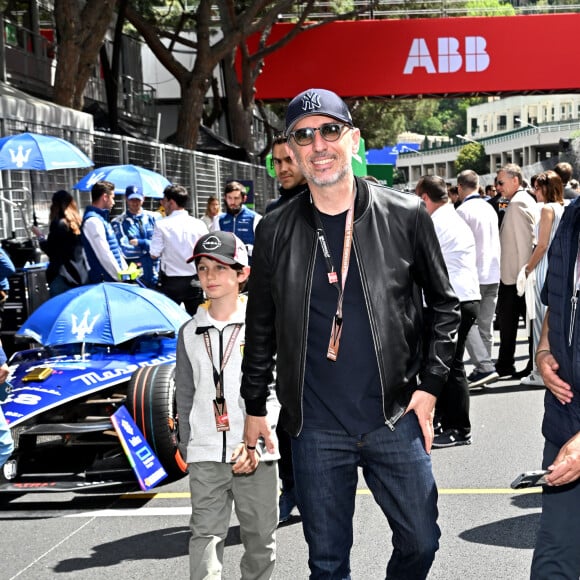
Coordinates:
28 193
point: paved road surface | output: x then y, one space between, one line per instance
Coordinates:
487 529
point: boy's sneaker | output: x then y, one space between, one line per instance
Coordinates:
534 379
479 379
451 438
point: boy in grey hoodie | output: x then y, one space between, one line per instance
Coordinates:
211 425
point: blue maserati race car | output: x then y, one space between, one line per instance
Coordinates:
104 346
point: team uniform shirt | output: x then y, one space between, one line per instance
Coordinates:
101 245
243 225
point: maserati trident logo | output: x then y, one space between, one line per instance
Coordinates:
19 158
84 328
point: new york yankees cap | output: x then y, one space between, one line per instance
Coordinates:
316 102
224 247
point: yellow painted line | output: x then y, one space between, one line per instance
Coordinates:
362 491
490 491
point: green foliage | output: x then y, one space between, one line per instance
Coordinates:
489 7
382 121
379 121
342 6
472 156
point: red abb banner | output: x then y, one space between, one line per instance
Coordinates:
427 57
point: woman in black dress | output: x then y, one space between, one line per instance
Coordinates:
63 246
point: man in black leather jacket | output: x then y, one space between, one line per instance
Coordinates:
336 292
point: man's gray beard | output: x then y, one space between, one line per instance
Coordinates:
334 179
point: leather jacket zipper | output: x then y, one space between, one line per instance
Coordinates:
388 423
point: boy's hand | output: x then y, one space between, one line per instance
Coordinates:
244 461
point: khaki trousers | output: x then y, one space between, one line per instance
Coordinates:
214 488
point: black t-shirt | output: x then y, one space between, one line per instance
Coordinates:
344 395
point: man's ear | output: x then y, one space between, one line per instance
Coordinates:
355 140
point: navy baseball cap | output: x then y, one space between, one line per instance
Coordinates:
316 102
133 192
223 247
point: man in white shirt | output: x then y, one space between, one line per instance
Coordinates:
458 249
173 241
482 221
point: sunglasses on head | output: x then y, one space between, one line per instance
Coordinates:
328 131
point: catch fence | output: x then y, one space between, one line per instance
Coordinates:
24 194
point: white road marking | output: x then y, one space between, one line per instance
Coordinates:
144 512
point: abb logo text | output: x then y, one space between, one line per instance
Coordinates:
451 56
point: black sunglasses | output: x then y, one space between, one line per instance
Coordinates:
329 132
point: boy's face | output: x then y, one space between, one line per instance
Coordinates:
218 280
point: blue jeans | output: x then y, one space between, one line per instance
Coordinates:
557 552
398 472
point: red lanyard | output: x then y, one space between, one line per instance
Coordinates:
337 320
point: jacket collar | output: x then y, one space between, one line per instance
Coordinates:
289 193
102 212
239 317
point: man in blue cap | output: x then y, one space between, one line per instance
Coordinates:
335 304
134 230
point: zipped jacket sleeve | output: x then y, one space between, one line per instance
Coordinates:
431 275
184 391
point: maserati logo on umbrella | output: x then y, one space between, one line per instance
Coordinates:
84 328
19 158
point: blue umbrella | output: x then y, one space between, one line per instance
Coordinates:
40 152
107 313
149 182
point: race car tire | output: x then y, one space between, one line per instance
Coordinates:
151 402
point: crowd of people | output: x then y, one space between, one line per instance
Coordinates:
348 350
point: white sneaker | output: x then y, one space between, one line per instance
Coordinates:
534 379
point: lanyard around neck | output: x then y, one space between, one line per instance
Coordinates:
336 331
217 375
